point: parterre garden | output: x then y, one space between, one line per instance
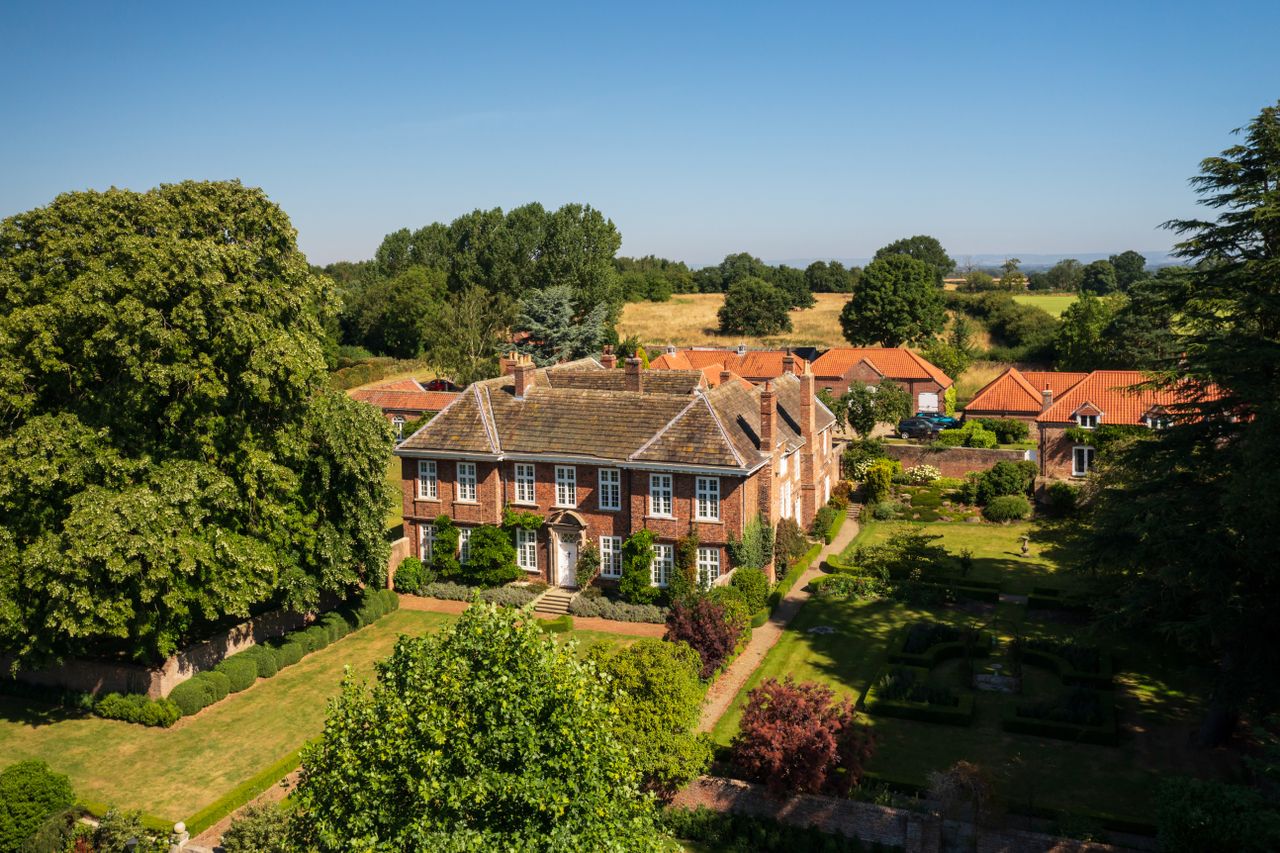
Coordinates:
1090 719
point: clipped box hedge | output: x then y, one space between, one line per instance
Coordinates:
136 708
957 715
1105 734
938 652
240 671
1068 673
792 576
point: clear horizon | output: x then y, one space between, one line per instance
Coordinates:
822 132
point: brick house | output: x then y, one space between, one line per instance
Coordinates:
1101 397
836 368
1020 394
403 400
601 453
752 365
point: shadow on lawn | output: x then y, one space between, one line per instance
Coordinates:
32 712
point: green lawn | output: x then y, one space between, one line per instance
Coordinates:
172 773
1158 696
997 551
395 511
1054 303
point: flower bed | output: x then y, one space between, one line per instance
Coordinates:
927 644
511 595
904 691
601 606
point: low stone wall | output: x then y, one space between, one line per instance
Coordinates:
953 461
914 832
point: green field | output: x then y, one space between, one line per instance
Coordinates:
1159 696
173 773
1054 303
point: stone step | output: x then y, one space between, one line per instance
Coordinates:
554 601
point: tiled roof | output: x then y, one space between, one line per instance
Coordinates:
754 365
397 399
584 412
891 362
1110 392
1021 393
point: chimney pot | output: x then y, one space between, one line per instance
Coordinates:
634 380
1046 398
768 417
607 358
788 362
522 373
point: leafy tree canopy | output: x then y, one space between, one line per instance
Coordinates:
831 277
923 248
1081 341
754 307
170 453
554 334
486 736
1099 277
1064 276
1130 267
896 303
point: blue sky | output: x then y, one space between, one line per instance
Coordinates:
788 130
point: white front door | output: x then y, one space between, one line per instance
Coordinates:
928 402
567 562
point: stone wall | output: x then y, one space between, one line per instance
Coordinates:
400 549
953 461
914 832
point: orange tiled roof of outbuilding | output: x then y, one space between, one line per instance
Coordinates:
890 362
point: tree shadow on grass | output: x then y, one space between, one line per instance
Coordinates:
33 712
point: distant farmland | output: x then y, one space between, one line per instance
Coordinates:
1054 303
690 320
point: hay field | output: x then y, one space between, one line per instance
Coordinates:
689 319
1054 303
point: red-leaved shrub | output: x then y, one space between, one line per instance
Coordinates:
707 626
797 738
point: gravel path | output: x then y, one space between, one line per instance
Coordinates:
727 686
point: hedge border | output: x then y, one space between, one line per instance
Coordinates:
1106 734
1069 674
245 792
938 652
948 715
149 821
798 568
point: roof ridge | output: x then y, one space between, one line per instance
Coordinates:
1025 383
657 435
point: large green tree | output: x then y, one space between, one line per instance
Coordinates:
1130 267
487 736
1184 530
554 333
830 277
170 454
1062 277
1081 341
896 303
923 248
753 306
391 316
1099 277
468 334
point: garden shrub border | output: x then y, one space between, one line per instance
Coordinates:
243 793
1105 734
792 576
1069 674
936 653
957 715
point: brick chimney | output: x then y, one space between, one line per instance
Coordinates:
508 362
725 376
523 373
634 380
788 362
608 359
809 452
768 417
807 407
1046 398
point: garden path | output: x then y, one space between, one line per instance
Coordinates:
721 694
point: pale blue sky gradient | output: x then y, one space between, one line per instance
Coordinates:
788 130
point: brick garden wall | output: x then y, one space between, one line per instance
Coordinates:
952 461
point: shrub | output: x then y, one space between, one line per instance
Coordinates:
316 637
798 738
736 611
240 672
1061 498
136 708
822 521
1079 706
264 658
849 585
1194 815
291 652
30 794
971 434
859 455
190 696
260 828
492 557
877 481
684 581
510 596
217 683
842 494
408 575
449 591
1007 430
703 624
790 543
1007 508
885 510
753 585
619 611
919 475
636 585
336 625
756 547
744 833
1006 478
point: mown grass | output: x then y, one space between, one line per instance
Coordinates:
1053 303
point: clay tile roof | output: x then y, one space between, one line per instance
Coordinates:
680 382
891 362
395 399
1015 392
1109 391
754 365
671 361
712 374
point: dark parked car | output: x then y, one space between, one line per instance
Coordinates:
918 428
943 421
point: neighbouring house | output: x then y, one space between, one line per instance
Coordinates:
1020 394
602 453
752 365
1100 398
403 401
836 368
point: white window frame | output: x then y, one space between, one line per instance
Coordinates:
708 566
464 545
566 485
610 492
428 484
661 495
611 556
426 541
527 549
707 499
1092 421
397 423
466 482
664 563
1081 451
526 478
782 466
785 499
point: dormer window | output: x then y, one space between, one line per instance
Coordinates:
1156 421
1086 421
